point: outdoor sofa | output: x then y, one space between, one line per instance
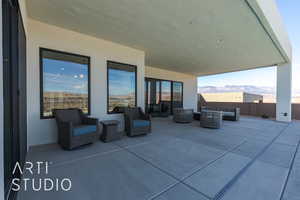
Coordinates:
231 114
75 129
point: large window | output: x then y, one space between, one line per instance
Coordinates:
121 84
64 81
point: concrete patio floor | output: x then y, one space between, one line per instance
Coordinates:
250 159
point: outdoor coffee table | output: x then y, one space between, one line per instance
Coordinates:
110 131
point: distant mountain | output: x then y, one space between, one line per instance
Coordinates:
238 88
269 93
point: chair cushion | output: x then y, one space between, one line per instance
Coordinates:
140 123
82 130
231 114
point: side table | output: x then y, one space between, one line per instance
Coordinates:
110 131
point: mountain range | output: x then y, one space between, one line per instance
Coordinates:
238 88
269 93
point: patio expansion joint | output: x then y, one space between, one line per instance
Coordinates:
178 180
223 191
290 170
213 161
83 158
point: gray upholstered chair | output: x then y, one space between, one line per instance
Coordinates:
75 129
181 115
136 122
211 119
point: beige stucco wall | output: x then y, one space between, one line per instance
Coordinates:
189 84
232 97
223 97
252 98
42 131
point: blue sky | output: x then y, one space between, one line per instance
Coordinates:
290 11
121 82
61 76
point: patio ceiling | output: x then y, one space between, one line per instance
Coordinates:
197 37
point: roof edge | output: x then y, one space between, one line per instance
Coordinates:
269 17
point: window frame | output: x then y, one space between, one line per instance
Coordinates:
107 84
160 80
41 49
182 84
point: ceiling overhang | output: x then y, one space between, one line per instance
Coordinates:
196 37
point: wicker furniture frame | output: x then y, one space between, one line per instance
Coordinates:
131 114
110 131
67 120
181 115
211 119
233 116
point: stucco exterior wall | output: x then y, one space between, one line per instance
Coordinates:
252 98
42 131
223 97
189 84
232 97
284 93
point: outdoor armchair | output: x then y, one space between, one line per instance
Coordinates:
136 122
75 129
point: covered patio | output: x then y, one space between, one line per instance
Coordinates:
102 56
249 159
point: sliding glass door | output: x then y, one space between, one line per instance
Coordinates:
177 94
166 96
153 96
14 92
162 96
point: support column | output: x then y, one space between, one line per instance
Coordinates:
284 93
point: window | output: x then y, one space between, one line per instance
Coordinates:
157 92
166 90
65 81
122 86
177 94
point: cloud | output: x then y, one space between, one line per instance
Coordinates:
79 86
